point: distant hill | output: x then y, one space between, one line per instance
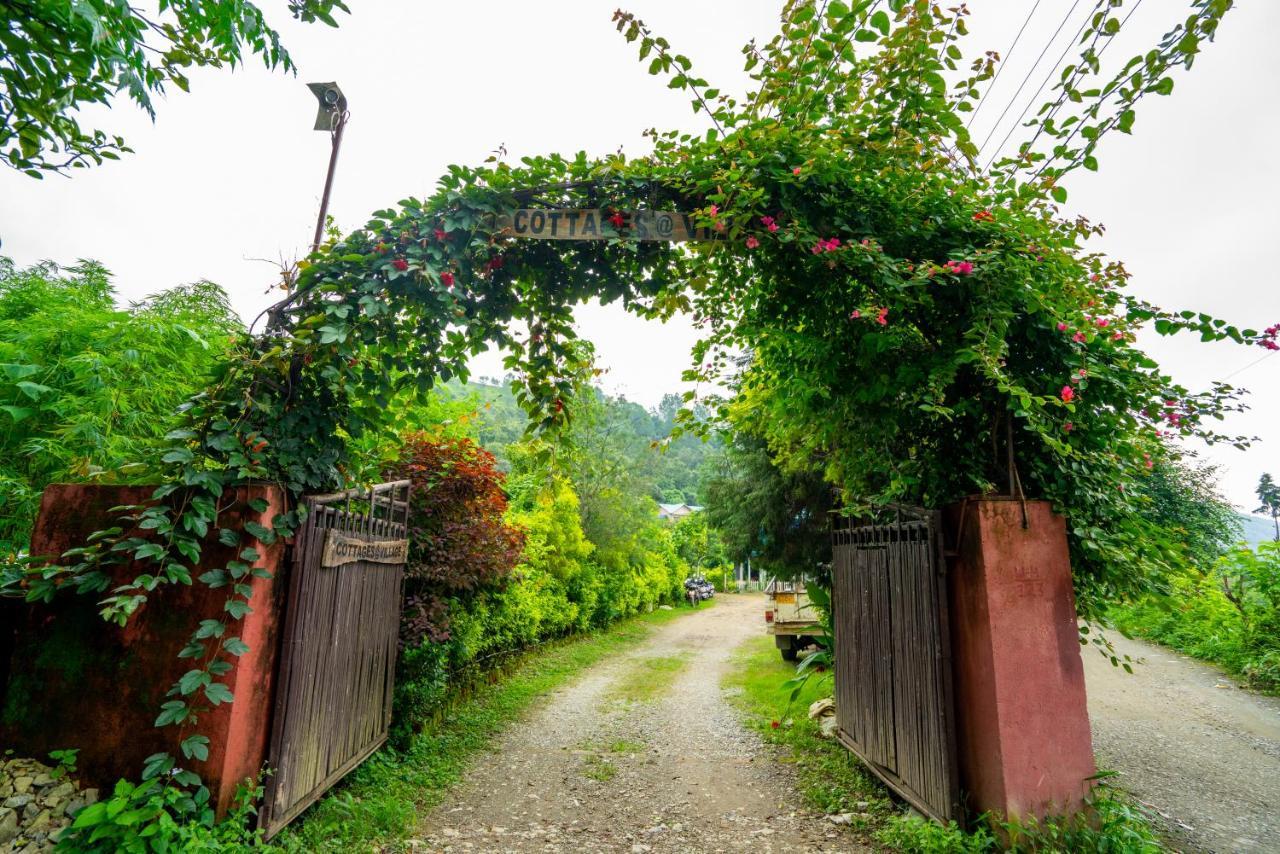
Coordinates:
1256 529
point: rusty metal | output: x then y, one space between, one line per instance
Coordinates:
337 651
894 704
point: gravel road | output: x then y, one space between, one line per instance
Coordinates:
1190 744
600 766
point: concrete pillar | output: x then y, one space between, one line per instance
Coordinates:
76 681
1022 722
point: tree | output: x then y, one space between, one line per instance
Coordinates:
1269 496
56 58
1185 502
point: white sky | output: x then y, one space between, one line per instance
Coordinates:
232 172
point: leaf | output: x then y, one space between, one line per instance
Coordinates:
880 21
1059 194
18 413
218 693
33 390
196 747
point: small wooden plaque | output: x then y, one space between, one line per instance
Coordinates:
340 549
597 224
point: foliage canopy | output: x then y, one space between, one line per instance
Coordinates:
56 58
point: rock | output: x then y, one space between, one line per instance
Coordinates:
39 823
62 791
8 825
665 608
90 796
827 728
822 708
18 801
841 818
22 785
640 848
42 779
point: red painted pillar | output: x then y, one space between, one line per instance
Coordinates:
76 681
1021 718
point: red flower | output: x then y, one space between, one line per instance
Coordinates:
769 223
774 724
1068 427
400 264
617 219
795 171
984 216
441 234
1068 394
752 243
855 315
1062 327
883 317
446 279
1078 338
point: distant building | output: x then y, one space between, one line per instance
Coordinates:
676 512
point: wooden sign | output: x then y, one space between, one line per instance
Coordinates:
340 549
597 224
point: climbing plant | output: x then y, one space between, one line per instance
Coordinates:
902 310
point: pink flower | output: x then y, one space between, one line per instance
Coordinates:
1117 336
1078 338
752 243
883 317
817 248
855 315
964 267
714 211
1062 327
795 171
446 279
1103 323
400 264
1068 394
769 223
1068 427
1083 372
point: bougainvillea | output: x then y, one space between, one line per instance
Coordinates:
459 539
912 316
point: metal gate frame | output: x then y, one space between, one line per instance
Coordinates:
325 724
898 662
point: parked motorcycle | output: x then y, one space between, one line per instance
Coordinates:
698 589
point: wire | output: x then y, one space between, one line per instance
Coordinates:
1017 123
1250 365
1007 56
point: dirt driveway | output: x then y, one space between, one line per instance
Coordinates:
642 753
1192 745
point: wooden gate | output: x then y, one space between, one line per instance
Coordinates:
893 656
338 649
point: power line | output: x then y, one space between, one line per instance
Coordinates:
1007 56
1250 365
1017 123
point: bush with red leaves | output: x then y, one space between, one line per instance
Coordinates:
459 540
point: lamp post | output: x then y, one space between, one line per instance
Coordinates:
332 117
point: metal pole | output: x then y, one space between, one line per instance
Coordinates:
328 178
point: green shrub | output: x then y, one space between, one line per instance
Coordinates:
86 387
1230 616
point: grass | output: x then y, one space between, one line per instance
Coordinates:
599 768
832 780
381 803
625 746
647 679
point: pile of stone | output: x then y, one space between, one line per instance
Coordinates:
36 803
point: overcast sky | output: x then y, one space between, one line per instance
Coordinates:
227 181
